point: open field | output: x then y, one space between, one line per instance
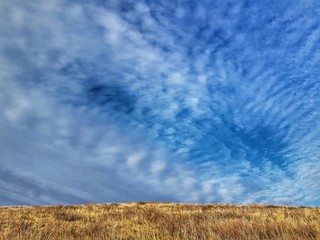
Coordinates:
165 221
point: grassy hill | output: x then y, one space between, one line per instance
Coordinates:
165 221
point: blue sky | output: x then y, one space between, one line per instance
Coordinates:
184 101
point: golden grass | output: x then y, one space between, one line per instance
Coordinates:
165 221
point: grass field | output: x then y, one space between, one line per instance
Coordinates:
165 221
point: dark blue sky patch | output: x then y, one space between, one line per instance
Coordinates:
108 97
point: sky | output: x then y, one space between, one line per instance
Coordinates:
201 101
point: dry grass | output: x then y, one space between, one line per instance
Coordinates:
165 221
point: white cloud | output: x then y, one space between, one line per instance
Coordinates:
207 119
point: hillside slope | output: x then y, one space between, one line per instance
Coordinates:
165 221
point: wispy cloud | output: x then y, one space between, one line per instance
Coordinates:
161 101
